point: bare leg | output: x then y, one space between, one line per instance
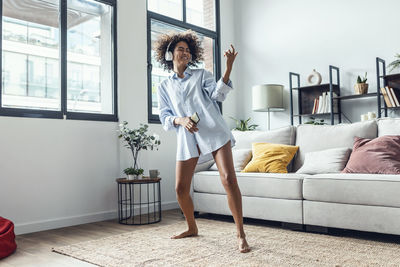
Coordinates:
223 158
184 173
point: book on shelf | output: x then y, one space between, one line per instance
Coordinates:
394 96
324 98
321 104
390 96
386 97
315 107
328 101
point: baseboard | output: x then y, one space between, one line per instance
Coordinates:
24 228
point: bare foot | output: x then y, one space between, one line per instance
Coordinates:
243 246
187 233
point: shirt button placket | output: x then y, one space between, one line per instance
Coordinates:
185 101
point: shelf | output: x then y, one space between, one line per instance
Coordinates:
316 114
391 108
391 76
316 87
355 96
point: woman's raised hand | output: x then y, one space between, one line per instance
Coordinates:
188 124
230 55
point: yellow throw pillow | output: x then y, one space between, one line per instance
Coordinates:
269 157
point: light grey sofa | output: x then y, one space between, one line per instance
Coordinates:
366 202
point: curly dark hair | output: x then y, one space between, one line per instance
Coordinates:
189 37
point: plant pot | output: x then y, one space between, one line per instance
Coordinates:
140 176
131 177
361 88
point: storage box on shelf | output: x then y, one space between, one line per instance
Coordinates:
308 95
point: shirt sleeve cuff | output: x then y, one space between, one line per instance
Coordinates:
169 123
222 87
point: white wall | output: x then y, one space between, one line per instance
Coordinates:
57 173
275 37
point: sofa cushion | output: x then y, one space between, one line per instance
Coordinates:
379 155
389 126
269 157
320 137
284 135
271 185
240 159
325 161
351 188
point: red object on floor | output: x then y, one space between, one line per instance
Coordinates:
7 238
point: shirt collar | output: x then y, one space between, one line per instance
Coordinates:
187 71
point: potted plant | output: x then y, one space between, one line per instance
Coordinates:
242 125
136 140
131 173
139 173
361 87
395 64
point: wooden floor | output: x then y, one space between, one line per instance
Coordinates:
35 249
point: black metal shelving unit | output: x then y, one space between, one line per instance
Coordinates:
391 80
307 94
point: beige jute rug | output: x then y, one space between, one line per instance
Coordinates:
216 246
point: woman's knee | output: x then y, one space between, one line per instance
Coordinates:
182 189
228 179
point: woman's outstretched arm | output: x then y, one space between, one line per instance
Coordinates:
230 58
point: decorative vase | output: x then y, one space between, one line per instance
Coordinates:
361 88
314 78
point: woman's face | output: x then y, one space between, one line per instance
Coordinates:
182 54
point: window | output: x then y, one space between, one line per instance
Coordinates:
179 15
58 59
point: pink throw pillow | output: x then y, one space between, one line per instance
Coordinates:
379 155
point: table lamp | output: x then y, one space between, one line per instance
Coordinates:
267 98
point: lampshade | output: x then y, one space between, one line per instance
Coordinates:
268 97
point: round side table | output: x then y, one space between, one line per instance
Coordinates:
139 201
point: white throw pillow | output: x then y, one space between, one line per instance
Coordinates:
240 159
325 161
284 136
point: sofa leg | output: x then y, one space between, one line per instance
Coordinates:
292 226
317 229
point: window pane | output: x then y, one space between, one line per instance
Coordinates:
30 54
170 8
158 74
208 45
89 58
201 13
14 74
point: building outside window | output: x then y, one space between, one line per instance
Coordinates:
33 76
166 16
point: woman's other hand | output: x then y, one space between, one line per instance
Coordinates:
230 55
187 123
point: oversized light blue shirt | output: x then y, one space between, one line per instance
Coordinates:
197 92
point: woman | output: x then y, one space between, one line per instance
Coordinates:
185 92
